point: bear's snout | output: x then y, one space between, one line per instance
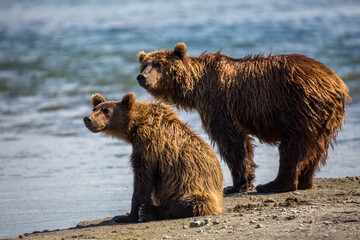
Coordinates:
141 79
87 121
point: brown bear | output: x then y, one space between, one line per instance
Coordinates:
291 101
176 173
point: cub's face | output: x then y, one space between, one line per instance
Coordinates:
158 69
101 118
108 116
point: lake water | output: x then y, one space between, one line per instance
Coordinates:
54 173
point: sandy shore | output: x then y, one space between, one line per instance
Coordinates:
331 210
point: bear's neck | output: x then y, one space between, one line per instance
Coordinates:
188 85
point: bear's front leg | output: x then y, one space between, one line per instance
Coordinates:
236 149
136 201
149 212
143 187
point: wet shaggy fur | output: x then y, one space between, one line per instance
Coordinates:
176 173
291 101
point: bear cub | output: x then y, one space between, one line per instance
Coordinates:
176 173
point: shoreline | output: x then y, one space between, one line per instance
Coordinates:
330 210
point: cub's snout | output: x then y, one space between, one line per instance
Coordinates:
87 121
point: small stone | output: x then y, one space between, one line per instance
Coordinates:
252 222
300 225
326 235
327 222
21 236
223 225
200 231
274 217
291 217
296 193
311 221
270 200
261 219
230 231
258 226
165 237
197 223
216 222
207 221
185 227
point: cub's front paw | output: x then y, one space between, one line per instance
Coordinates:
127 218
148 213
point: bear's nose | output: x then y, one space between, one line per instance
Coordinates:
87 120
141 79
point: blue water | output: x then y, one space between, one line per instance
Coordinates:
54 173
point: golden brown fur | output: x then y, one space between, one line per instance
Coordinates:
291 101
176 173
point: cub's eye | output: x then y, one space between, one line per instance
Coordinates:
156 64
105 110
94 109
143 66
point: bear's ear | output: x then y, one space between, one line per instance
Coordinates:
128 100
96 99
141 56
180 50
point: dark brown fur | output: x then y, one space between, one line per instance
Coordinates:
291 101
176 173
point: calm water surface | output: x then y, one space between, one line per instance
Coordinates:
54 173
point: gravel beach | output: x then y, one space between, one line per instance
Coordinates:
331 210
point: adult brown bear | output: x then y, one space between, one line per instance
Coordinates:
291 101
176 173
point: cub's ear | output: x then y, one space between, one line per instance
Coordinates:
96 99
141 56
128 100
180 50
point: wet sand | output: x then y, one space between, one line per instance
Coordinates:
331 210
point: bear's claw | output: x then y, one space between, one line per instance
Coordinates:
127 218
274 187
231 190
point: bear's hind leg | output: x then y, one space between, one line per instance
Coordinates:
306 175
317 154
292 154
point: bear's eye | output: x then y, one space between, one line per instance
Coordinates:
156 64
143 66
105 110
